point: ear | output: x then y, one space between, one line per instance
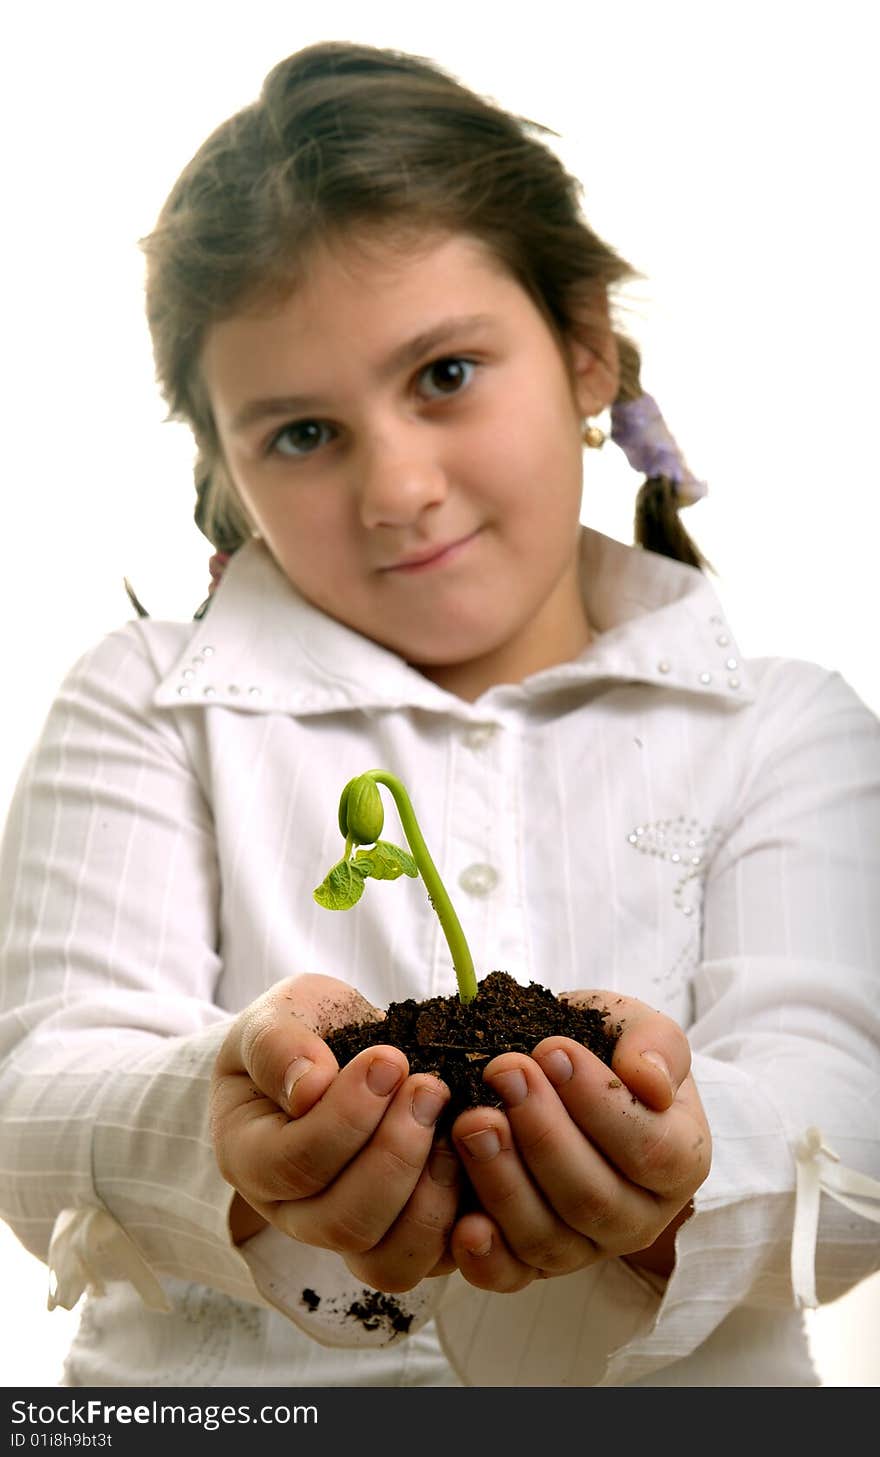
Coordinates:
593 358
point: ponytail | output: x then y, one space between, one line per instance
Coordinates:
641 432
658 525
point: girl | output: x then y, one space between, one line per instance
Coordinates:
374 298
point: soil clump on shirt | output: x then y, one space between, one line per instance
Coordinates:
455 1042
372 1309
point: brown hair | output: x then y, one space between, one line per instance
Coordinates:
345 134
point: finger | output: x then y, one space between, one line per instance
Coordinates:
279 1159
652 1055
667 1154
533 1230
415 1246
484 1259
555 1198
355 1213
444 1266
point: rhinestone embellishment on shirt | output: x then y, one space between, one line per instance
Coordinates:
684 843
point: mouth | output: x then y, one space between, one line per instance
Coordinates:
431 557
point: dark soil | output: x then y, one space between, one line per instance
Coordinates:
456 1042
372 1310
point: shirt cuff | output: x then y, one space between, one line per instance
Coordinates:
751 1240
315 1289
552 1333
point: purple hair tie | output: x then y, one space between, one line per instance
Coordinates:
642 434
217 566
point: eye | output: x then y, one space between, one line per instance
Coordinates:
300 438
450 374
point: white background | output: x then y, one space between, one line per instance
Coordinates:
727 150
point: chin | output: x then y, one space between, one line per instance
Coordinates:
445 636
448 656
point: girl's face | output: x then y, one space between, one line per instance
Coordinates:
405 433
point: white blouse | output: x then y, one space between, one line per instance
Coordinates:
657 817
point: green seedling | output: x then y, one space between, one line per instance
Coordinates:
361 820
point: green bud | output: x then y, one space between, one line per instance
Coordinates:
361 815
343 809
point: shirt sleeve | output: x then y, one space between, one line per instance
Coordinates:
109 1022
786 1029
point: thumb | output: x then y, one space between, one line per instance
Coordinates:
323 1002
652 1055
278 1040
653 1059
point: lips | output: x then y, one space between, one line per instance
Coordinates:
431 556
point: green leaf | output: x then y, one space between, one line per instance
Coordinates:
343 887
385 861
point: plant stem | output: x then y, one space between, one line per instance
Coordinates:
455 937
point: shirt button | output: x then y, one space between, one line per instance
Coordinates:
478 879
479 736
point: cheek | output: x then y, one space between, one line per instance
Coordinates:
545 482
542 437
303 525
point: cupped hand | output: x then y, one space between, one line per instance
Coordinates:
338 1158
585 1161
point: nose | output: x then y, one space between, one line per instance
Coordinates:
398 477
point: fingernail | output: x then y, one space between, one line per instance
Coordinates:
483 1145
480 1250
298 1069
383 1076
657 1060
556 1066
443 1167
427 1105
512 1086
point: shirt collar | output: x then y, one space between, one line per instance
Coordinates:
262 647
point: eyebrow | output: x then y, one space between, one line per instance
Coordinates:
413 349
